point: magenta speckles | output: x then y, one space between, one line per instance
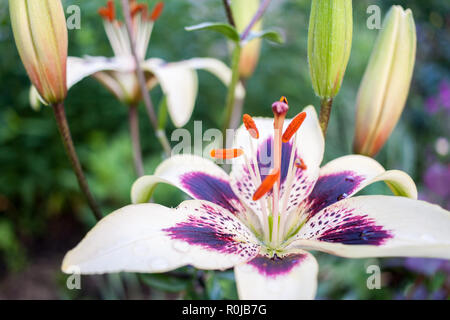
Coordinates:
356 230
276 266
211 228
332 188
344 226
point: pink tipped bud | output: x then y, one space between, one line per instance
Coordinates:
40 32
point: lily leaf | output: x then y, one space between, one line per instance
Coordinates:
229 31
269 35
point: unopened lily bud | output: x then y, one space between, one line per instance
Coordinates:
385 86
329 44
243 12
40 32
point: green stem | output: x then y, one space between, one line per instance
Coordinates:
230 102
325 112
135 139
142 82
64 130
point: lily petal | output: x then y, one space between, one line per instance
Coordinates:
153 238
378 226
293 276
309 147
179 83
200 178
80 68
219 69
345 176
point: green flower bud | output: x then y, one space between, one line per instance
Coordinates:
329 44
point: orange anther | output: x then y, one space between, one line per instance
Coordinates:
299 163
250 125
294 126
138 8
284 100
157 10
226 153
267 184
108 12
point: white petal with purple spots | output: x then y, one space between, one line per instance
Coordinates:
200 178
378 226
153 238
345 176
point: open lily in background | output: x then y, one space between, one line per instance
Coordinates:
178 80
385 86
261 219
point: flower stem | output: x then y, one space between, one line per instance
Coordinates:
226 4
262 9
142 82
135 139
230 103
325 112
64 130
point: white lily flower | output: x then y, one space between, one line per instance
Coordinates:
263 224
178 80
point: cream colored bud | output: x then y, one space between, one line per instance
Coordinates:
385 86
40 32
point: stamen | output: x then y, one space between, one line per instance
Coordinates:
250 125
299 163
226 153
138 8
157 11
294 126
108 12
267 184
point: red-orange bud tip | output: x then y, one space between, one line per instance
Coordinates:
250 125
267 184
294 126
157 11
226 153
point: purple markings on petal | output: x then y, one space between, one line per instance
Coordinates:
332 188
265 158
357 230
276 266
206 187
196 233
213 230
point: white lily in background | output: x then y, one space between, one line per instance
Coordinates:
262 218
178 80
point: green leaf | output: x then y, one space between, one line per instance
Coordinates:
165 282
269 35
229 31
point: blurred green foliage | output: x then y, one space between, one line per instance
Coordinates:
37 185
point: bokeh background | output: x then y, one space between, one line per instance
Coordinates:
43 213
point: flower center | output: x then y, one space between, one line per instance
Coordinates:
272 198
